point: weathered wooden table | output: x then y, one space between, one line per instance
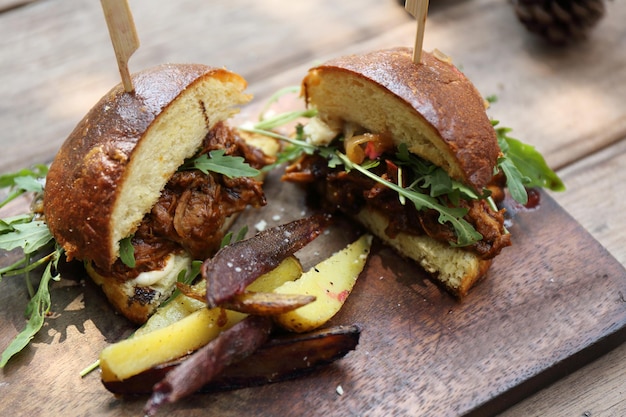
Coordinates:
57 61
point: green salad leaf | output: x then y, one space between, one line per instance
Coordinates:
127 252
32 236
23 181
36 310
230 238
216 161
524 166
465 232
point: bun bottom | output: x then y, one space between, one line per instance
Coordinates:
456 269
136 300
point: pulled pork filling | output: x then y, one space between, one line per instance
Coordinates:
193 208
349 192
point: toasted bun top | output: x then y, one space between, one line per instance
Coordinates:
111 169
431 107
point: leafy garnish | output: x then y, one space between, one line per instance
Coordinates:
432 178
465 232
275 97
524 166
127 252
492 98
229 239
36 310
37 172
185 277
32 236
216 161
281 119
23 181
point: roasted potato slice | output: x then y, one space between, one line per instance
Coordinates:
330 281
139 353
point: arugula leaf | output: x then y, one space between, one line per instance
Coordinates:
188 277
6 224
185 277
289 153
466 234
27 184
284 118
13 179
36 310
231 166
432 177
228 237
516 182
492 99
127 252
29 236
23 181
523 166
275 97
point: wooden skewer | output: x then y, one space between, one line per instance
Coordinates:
123 35
419 9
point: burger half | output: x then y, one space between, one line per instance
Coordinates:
407 150
152 179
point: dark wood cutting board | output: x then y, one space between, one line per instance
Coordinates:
551 302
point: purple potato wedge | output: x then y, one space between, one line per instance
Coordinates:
236 266
231 346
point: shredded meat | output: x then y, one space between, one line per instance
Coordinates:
349 192
194 206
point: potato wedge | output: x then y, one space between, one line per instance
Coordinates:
330 281
139 353
193 326
289 269
236 266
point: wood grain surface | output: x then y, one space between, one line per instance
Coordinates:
57 61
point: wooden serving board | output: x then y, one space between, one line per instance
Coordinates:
551 302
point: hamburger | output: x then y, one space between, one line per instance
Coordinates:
152 179
408 151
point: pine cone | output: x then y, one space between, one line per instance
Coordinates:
559 21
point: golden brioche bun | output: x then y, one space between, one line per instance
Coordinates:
457 270
432 108
111 169
138 298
